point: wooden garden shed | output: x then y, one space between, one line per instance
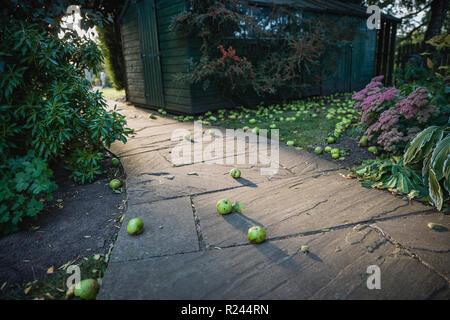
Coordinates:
154 54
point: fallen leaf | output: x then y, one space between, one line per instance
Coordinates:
437 227
51 270
27 290
50 296
3 285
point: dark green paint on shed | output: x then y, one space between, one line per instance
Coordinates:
154 54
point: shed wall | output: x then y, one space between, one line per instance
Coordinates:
132 55
174 57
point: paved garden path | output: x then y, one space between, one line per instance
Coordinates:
188 251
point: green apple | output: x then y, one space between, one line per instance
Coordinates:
290 143
235 173
318 150
135 226
212 118
87 289
255 130
232 117
328 149
273 126
115 184
256 234
331 140
224 206
252 121
372 149
115 162
363 142
245 129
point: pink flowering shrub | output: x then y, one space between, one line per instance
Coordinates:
390 119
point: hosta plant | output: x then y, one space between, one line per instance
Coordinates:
430 150
391 174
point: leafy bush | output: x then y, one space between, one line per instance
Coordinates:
25 185
391 174
84 164
46 105
430 152
392 117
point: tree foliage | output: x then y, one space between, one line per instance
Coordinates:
48 112
271 51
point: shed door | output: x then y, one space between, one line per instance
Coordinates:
148 34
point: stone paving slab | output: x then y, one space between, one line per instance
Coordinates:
170 182
296 205
308 202
335 268
169 229
430 245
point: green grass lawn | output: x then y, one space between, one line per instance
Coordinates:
113 94
305 123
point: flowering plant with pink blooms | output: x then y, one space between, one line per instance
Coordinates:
391 117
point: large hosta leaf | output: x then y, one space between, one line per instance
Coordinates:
435 190
418 148
439 156
447 174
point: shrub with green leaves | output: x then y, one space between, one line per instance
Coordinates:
25 185
391 174
430 152
46 104
84 164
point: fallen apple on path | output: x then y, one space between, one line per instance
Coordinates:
235 173
224 206
135 226
318 150
256 234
